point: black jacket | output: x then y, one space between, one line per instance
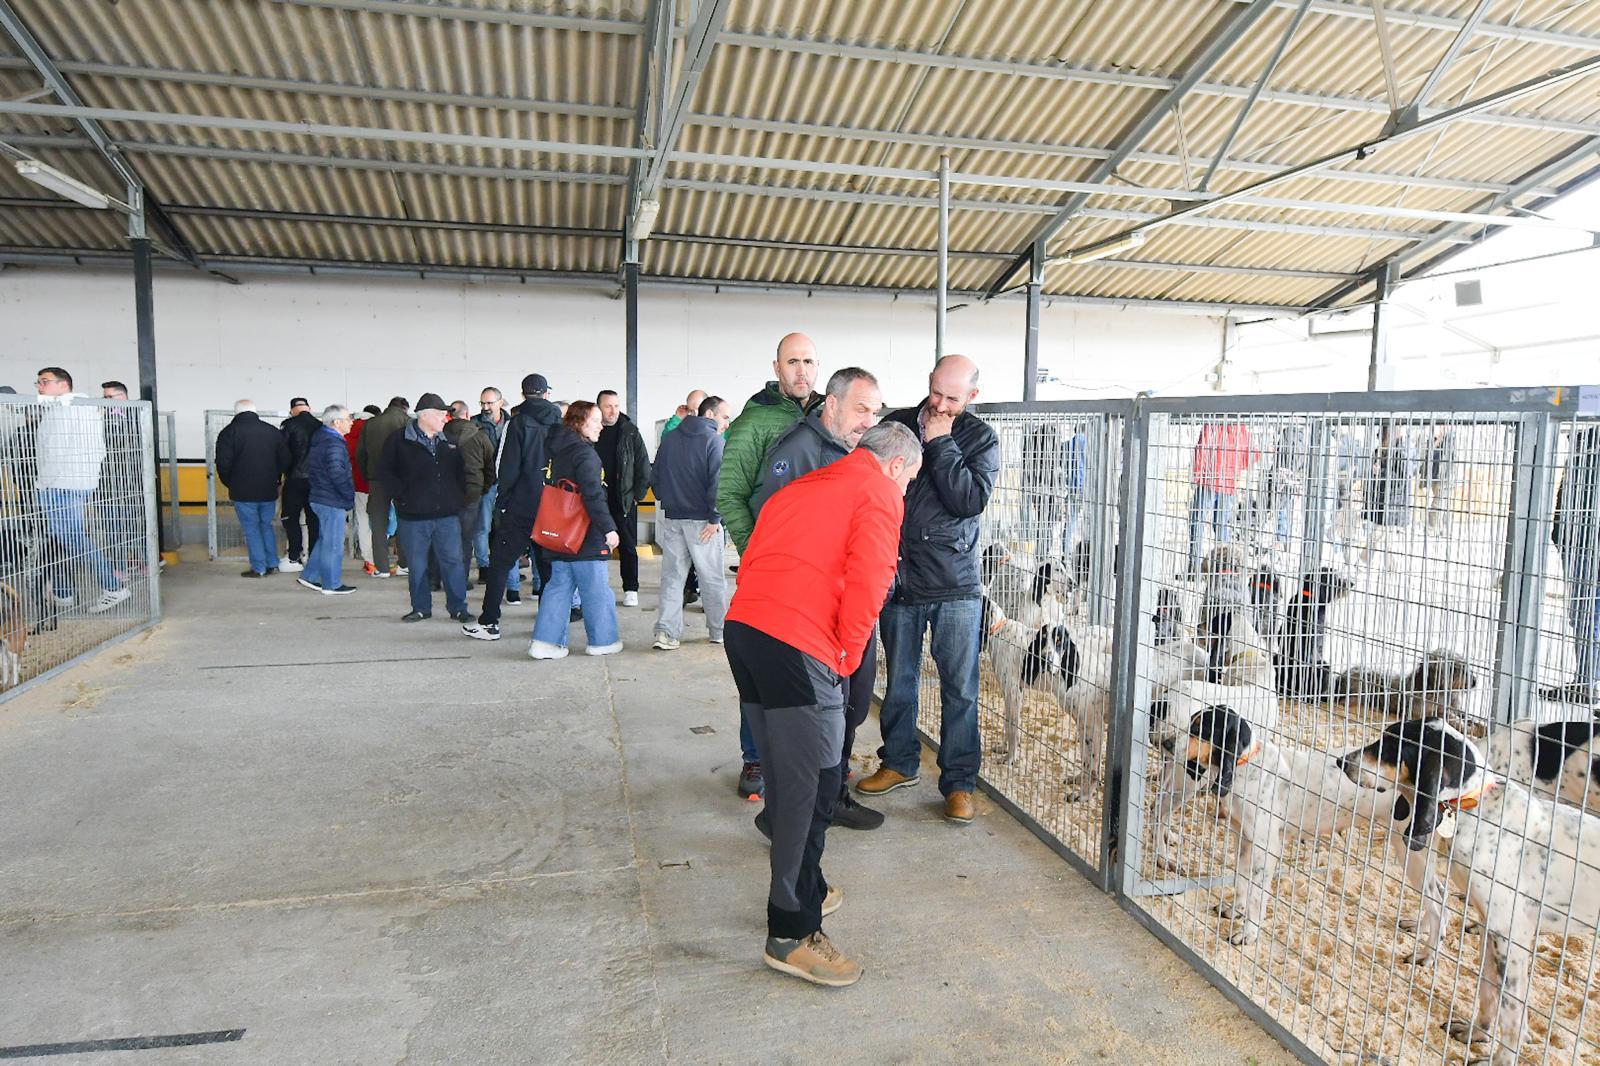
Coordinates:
630 481
519 470
477 456
1576 528
939 538
299 431
574 459
424 484
251 458
686 468
803 447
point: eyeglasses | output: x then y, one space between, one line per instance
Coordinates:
45 381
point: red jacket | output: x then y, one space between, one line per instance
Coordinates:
1223 452
821 559
351 439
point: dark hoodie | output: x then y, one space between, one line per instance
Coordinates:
687 465
519 467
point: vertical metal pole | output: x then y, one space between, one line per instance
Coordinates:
1319 492
630 284
1379 354
1129 733
152 515
144 313
1030 344
944 257
169 422
1522 567
213 539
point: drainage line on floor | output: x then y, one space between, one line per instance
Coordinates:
125 1043
336 662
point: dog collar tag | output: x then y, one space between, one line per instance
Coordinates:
1447 824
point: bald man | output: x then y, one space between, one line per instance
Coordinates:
937 588
691 406
785 400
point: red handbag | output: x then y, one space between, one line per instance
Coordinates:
563 521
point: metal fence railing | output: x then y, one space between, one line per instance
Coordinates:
167 465
79 565
1309 684
224 537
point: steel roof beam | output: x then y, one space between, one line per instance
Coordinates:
91 257
1200 62
1067 72
1468 28
1255 93
1359 9
655 67
583 110
699 40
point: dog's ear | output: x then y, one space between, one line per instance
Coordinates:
1423 754
1041 582
1036 660
1230 737
1217 650
1402 808
989 565
1068 649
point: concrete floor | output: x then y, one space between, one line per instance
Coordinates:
367 842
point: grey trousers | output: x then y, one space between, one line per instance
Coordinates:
795 707
679 539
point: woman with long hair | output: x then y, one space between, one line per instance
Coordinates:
572 457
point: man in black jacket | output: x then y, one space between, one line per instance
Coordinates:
251 459
519 481
298 429
938 586
627 467
424 470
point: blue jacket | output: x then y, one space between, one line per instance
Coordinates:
688 464
328 467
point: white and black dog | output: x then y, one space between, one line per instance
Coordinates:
1075 670
1301 662
1227 624
1269 791
1527 865
1558 760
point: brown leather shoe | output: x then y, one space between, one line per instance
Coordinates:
885 780
958 808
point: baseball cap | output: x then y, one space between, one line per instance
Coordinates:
430 401
534 384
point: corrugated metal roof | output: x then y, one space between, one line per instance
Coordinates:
814 128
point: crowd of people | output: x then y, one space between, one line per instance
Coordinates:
847 523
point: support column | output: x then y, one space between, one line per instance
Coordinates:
630 286
144 315
944 257
1379 356
1030 346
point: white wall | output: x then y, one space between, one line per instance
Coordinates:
359 341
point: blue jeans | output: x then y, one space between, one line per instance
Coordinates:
443 537
1582 567
480 535
325 563
593 584
1213 508
257 519
955 652
65 514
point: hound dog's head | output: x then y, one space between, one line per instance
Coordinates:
989 563
1441 675
1324 587
1432 765
1168 618
1051 651
1043 577
1218 740
1224 559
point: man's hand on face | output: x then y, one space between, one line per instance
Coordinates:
935 425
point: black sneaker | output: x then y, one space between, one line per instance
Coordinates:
249 573
513 597
342 590
751 783
490 631
416 616
575 616
463 616
852 815
690 597
271 570
312 585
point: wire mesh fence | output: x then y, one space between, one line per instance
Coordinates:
79 565
167 474
1326 720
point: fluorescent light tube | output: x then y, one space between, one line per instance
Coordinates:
62 184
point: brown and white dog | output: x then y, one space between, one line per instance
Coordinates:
13 635
1526 864
1435 688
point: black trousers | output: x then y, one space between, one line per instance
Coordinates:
509 539
297 503
858 701
469 533
627 544
378 501
795 706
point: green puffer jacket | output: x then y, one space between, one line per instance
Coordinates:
762 421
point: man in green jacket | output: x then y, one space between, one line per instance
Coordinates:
764 419
376 434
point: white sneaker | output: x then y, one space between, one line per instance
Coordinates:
541 650
604 649
110 599
630 599
665 643
289 566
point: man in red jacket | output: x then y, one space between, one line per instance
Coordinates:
811 582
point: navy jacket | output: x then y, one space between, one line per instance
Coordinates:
687 466
939 539
328 467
